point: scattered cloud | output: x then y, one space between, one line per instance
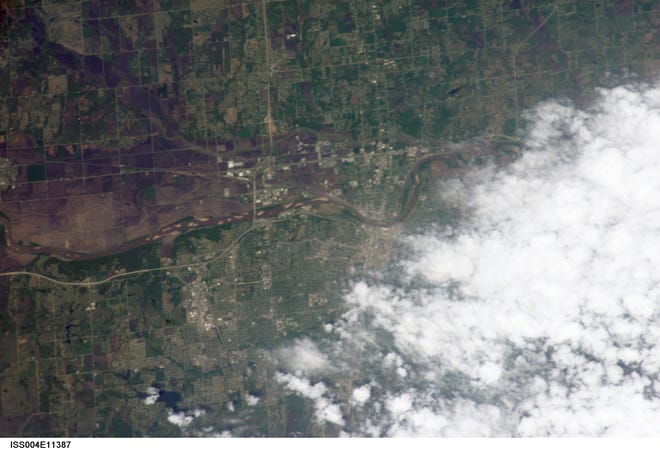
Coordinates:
251 400
209 431
361 394
152 395
183 419
180 419
539 314
304 356
326 411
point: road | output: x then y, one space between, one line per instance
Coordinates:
410 196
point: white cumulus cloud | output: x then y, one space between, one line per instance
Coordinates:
361 394
252 400
304 356
539 314
180 419
152 395
184 419
326 410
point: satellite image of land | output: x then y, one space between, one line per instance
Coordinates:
329 218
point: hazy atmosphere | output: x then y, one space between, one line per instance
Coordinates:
311 218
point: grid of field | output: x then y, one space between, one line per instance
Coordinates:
189 141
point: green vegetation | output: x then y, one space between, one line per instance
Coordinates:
36 172
381 85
